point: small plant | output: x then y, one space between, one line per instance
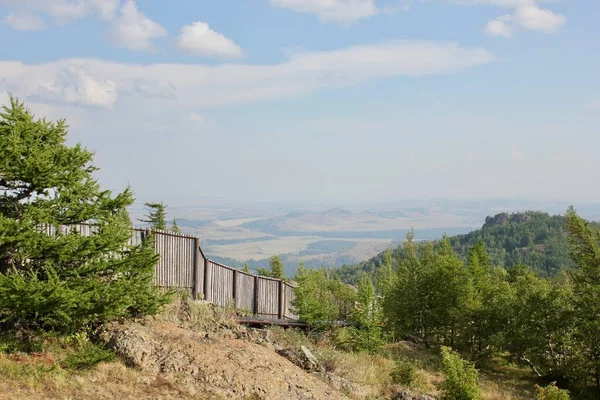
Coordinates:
462 379
405 373
551 392
88 356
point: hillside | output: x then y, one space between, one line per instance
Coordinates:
195 351
533 238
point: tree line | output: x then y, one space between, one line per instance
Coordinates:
432 295
533 238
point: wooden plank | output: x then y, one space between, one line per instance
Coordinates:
197 271
255 303
207 267
234 290
281 300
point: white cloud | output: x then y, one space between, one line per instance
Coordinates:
501 26
98 83
331 10
133 30
71 84
534 18
64 11
194 116
198 39
527 15
22 21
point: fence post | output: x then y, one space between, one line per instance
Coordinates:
207 275
255 295
196 268
281 299
234 289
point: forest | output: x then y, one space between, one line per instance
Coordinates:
434 294
533 238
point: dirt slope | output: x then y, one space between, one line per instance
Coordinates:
214 365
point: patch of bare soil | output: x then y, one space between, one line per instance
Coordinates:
216 365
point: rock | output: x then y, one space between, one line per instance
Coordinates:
302 357
266 335
405 394
310 357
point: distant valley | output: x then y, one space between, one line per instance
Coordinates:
331 236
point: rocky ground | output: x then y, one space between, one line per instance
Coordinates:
219 363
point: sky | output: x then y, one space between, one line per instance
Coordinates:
318 100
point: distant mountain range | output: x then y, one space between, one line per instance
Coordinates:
536 239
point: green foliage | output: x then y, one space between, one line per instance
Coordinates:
246 269
584 248
367 314
66 281
275 269
462 379
321 299
551 392
276 266
156 215
531 238
175 227
405 373
87 357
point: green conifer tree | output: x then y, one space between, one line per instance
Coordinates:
65 281
175 227
368 316
276 266
157 215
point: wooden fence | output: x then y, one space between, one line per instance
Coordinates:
183 265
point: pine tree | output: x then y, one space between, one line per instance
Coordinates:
246 269
175 227
157 216
368 316
65 281
276 266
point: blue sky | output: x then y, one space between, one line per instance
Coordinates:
318 100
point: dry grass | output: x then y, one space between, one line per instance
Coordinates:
498 378
197 315
361 368
41 377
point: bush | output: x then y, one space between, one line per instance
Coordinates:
551 392
405 373
462 379
87 357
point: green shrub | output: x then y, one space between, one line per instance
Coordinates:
405 373
22 342
462 378
551 392
87 357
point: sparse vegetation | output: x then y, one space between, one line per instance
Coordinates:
462 379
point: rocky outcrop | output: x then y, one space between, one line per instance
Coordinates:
214 364
405 394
